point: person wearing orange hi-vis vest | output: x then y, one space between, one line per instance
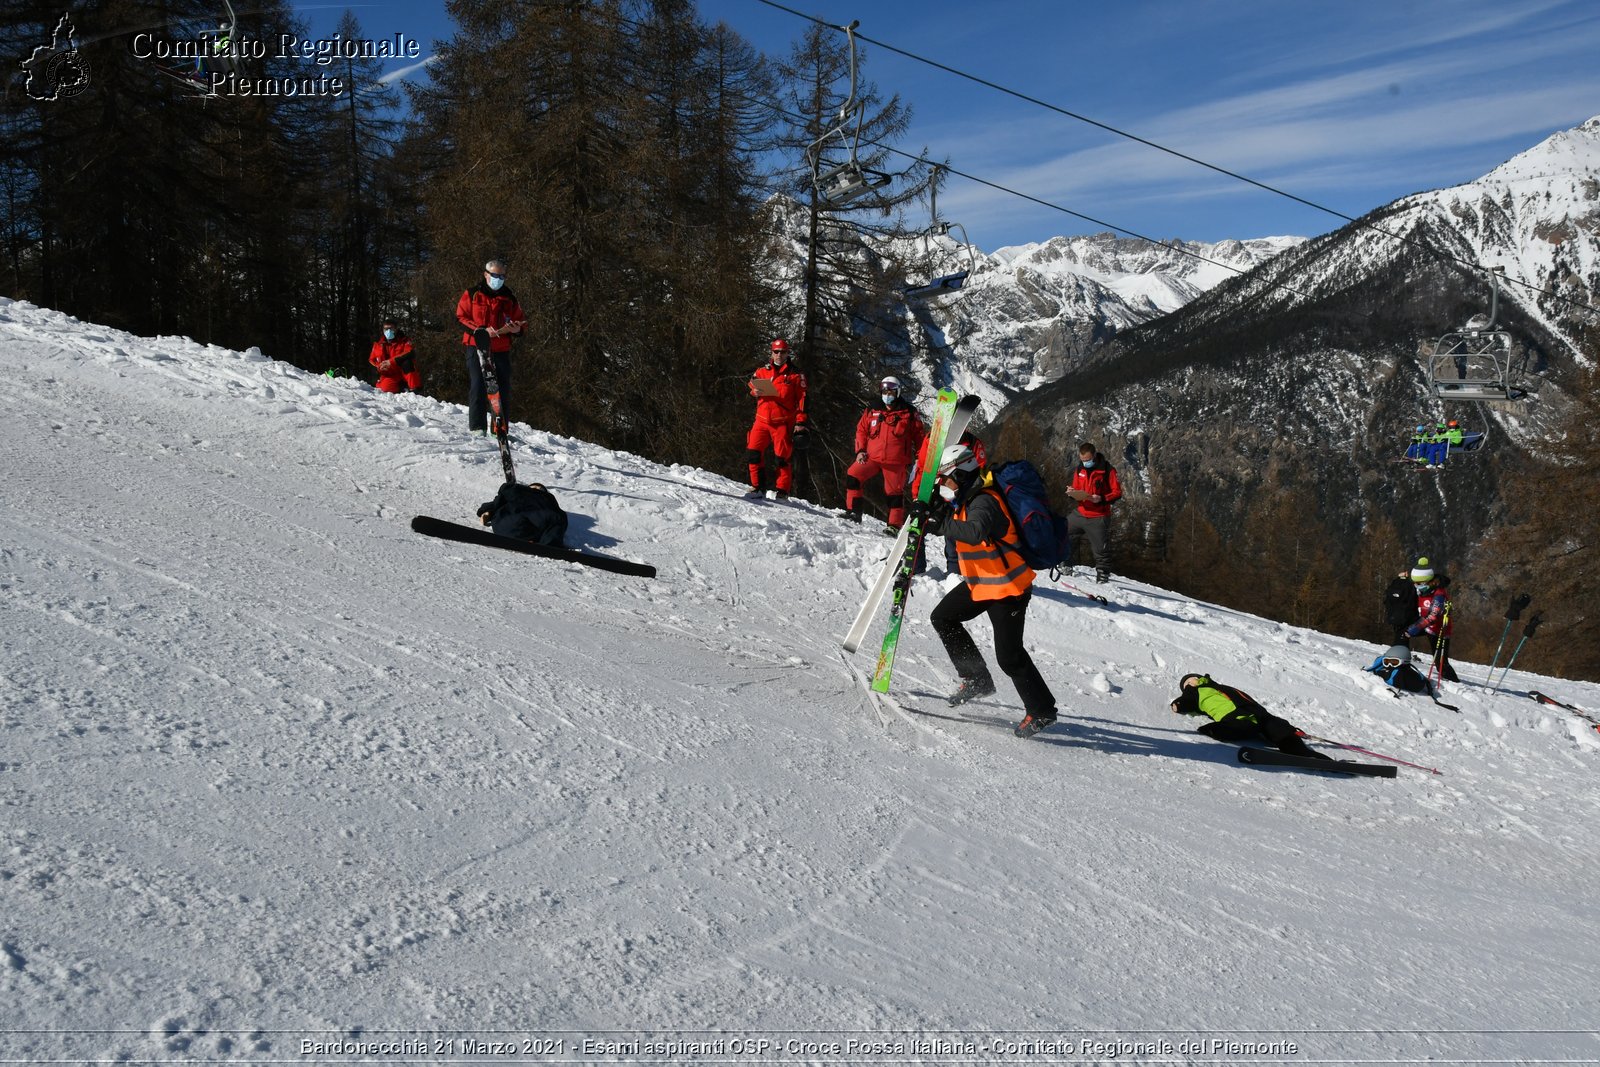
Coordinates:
996 581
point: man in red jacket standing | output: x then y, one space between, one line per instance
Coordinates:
491 315
780 392
395 363
1095 488
889 437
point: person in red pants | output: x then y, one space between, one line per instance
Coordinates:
394 361
889 437
780 392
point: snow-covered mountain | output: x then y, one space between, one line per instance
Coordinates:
1028 312
282 779
1305 373
1034 308
1536 217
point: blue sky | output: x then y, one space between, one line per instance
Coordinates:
1350 105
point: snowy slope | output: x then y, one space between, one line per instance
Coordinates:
275 769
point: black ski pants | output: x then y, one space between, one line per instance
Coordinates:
1280 733
477 398
1008 617
1096 530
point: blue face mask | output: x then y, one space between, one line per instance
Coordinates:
388 335
496 281
1088 463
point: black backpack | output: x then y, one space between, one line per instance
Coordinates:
528 513
1400 603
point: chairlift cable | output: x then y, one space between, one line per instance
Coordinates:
1180 155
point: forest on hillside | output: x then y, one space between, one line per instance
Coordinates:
621 158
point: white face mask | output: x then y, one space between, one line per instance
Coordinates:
888 398
948 494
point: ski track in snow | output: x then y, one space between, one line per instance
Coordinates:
272 765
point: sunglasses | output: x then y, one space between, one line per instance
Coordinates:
492 274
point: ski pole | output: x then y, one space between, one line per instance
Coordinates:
1081 592
1527 632
1440 643
1513 613
1367 752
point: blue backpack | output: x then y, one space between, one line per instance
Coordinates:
1042 534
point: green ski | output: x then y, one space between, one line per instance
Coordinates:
950 419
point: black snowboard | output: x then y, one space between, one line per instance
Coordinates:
1266 757
473 535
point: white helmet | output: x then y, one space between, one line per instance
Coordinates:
890 382
957 457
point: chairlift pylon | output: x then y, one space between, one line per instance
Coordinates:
843 183
1474 362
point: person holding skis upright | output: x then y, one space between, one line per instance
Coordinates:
395 362
1433 610
889 436
492 317
780 392
1095 487
996 581
1235 716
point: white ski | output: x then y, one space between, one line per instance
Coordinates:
880 589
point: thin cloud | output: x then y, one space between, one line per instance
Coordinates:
403 72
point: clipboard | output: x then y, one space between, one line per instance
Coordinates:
763 387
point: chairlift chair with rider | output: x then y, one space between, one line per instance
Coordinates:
197 77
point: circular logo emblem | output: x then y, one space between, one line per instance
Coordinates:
67 74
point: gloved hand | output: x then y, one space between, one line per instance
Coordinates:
931 514
861 457
1209 729
480 337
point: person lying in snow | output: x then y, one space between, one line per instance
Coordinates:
526 512
1394 667
1236 717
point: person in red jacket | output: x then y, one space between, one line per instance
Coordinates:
780 392
1095 488
492 317
394 361
889 437
1433 615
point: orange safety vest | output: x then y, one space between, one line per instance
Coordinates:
994 571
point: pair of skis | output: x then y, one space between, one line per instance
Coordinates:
1579 712
950 419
